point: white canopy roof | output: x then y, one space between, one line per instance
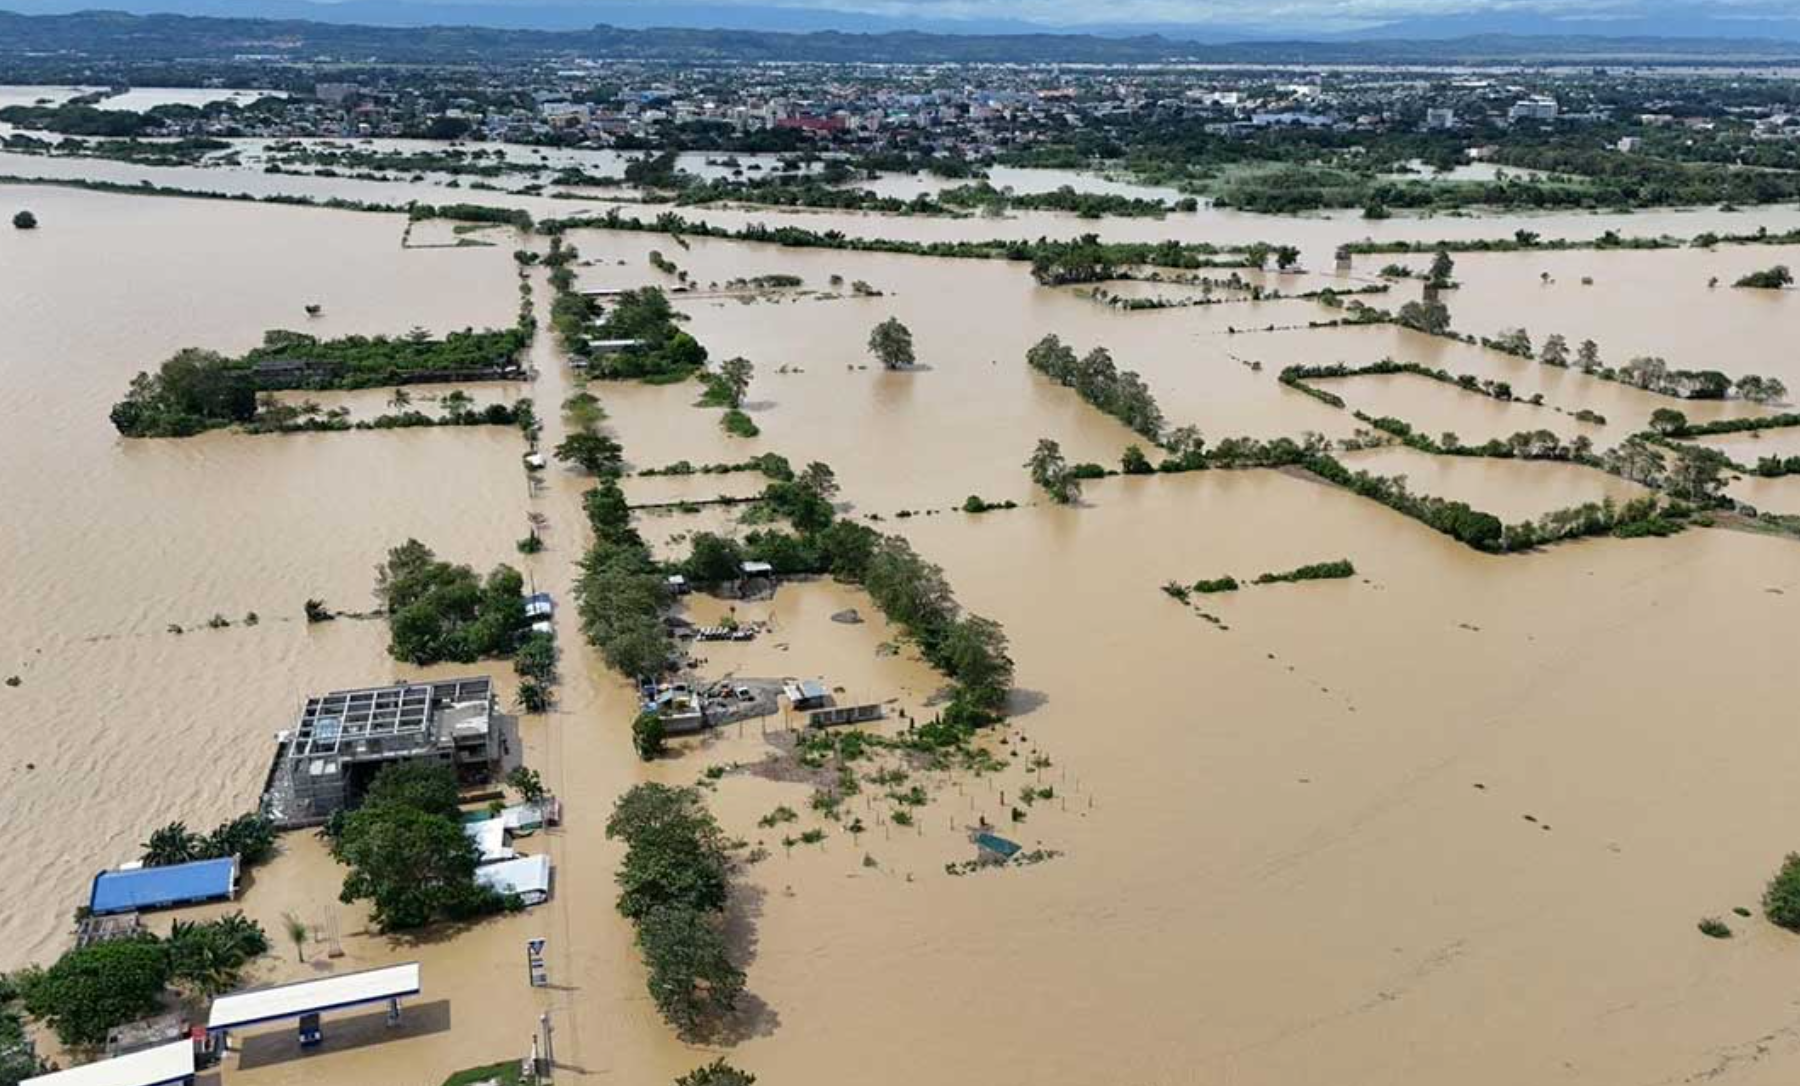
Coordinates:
170 1063
313 996
489 836
527 876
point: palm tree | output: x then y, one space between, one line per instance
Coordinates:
296 932
400 400
172 844
457 403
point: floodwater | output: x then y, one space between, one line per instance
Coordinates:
145 98
1512 490
1450 820
115 542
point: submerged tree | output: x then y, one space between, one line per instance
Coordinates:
892 344
1051 472
1442 270
734 377
25 220
1555 351
1587 356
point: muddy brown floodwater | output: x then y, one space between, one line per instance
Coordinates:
1450 820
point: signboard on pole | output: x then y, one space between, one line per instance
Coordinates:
534 962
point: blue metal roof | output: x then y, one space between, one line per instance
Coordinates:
996 843
157 887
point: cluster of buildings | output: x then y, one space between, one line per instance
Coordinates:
967 111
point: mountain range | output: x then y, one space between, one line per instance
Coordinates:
1691 20
40 43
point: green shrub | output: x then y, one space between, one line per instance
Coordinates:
738 424
1781 901
647 736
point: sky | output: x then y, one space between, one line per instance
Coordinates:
1211 19
1636 16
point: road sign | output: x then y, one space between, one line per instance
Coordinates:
534 962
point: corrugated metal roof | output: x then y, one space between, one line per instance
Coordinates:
156 887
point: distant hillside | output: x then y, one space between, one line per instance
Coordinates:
119 36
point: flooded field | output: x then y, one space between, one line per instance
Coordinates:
1692 324
129 539
1512 490
1475 803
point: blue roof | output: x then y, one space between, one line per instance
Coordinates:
157 887
996 843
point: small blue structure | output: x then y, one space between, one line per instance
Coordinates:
162 887
997 846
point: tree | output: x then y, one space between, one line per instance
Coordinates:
1442 270
593 452
25 220
440 611
1555 351
1646 371
1286 256
1051 357
172 844
400 400
735 375
190 392
458 405
1134 462
1431 317
207 959
528 783
1186 446
533 696
1761 389
820 480
691 978
18 1056
891 343
974 652
91 989
1514 341
647 735
716 1073
608 513
412 865
297 933
713 558
1769 279
1698 473
1588 356
675 851
1667 421
674 884
1051 472
1781 901
421 785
